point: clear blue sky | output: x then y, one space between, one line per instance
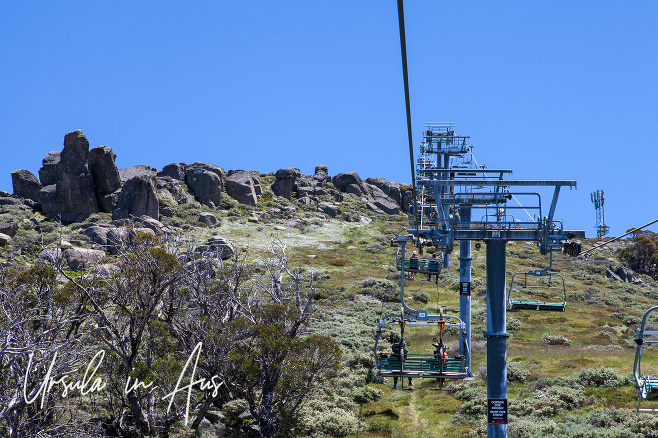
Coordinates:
553 90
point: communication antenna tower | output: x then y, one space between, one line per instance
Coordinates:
598 201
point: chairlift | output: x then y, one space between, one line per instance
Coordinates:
417 265
438 365
647 385
535 295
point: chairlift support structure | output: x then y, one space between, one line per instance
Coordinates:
476 203
647 385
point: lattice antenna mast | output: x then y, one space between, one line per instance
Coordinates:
598 201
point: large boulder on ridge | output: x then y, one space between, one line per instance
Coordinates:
285 181
321 173
26 185
174 171
138 197
381 200
205 182
103 170
349 182
391 189
48 171
72 197
216 246
130 172
240 186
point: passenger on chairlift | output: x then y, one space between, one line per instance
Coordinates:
440 350
433 268
413 265
401 351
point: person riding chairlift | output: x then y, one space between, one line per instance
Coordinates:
398 350
413 265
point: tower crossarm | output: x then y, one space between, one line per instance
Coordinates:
494 217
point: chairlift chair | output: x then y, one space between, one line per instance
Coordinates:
420 266
524 295
437 365
647 333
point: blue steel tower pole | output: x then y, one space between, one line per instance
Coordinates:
446 209
465 290
496 340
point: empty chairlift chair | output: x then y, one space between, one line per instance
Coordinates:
647 333
537 290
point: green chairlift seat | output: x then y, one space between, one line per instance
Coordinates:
422 365
647 333
423 266
425 366
537 295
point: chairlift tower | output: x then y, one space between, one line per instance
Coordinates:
598 201
474 203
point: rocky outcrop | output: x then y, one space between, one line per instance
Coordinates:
343 180
48 171
138 197
108 202
106 177
72 197
240 186
81 258
205 183
209 167
26 184
173 189
380 200
4 239
257 186
217 246
621 273
14 200
349 183
208 218
131 172
77 259
149 222
174 171
391 189
103 169
407 199
285 182
331 210
321 173
9 228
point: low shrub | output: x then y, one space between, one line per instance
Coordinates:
421 296
469 392
626 318
516 373
373 377
383 290
375 249
362 359
335 422
602 376
366 394
232 410
555 340
513 323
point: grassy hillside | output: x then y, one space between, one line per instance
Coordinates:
569 372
